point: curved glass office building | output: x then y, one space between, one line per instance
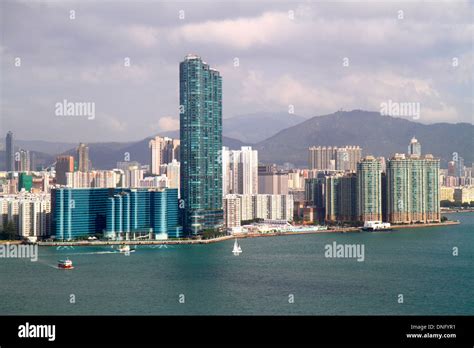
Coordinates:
116 213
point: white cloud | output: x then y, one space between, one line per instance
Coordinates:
283 61
241 33
168 123
116 72
109 122
287 90
145 36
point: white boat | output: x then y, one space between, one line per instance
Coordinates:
65 264
237 249
124 249
376 226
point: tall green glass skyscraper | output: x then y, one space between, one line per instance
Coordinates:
369 189
200 97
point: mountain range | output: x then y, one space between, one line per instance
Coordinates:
252 128
376 134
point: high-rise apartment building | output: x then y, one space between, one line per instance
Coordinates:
341 198
232 211
200 95
414 148
260 206
296 179
83 163
413 189
463 194
334 158
163 150
272 181
29 213
131 177
9 153
171 170
98 179
64 164
369 189
315 191
240 171
23 163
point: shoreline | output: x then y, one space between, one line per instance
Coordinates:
454 211
239 236
446 223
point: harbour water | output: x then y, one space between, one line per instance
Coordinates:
286 275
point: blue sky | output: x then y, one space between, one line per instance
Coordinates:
289 53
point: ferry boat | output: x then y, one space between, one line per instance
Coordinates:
124 248
237 249
376 226
65 264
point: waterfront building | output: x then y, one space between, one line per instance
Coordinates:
273 207
232 211
259 206
162 150
315 191
311 215
341 198
446 193
247 203
200 93
116 213
413 189
9 153
369 190
64 164
83 162
240 171
463 194
334 158
29 213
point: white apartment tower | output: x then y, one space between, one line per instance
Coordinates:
239 171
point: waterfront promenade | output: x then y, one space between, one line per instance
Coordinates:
223 238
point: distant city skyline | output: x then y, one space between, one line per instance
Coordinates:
311 59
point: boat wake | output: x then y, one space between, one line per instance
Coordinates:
99 252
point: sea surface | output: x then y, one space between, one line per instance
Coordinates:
285 275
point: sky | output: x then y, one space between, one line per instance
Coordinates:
313 57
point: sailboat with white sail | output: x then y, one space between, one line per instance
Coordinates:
237 249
